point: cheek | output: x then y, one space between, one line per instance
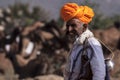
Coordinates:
79 30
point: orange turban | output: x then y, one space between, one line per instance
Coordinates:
72 10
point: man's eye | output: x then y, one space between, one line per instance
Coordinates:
72 25
67 25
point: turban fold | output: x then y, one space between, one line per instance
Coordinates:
72 10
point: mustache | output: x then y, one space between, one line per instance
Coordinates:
73 32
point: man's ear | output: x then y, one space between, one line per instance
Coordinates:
85 26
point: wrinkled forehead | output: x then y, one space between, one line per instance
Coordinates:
75 21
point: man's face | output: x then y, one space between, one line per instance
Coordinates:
74 27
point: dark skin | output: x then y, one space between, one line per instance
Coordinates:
75 27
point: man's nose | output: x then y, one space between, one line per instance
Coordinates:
70 28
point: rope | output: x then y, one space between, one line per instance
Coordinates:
107 48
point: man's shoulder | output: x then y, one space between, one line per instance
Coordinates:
94 41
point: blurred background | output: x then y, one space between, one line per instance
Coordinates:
33 44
